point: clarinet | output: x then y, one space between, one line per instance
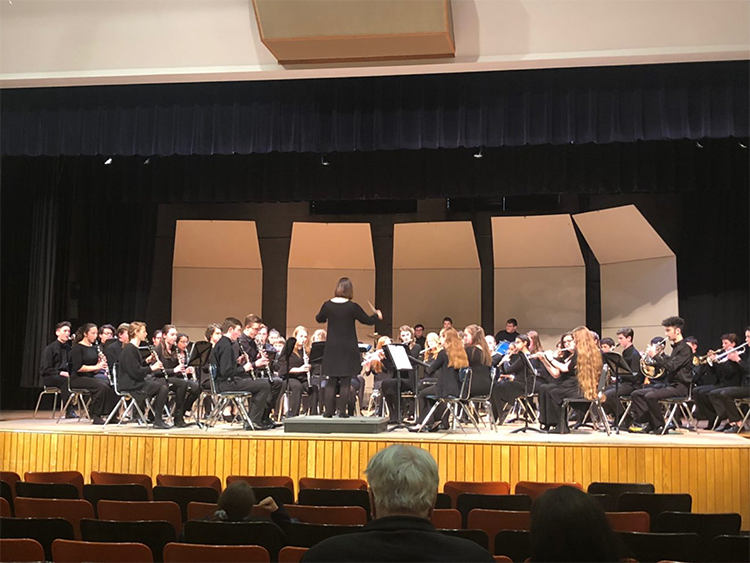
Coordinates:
184 363
246 358
155 355
103 358
266 371
306 361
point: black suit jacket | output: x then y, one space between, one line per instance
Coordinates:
397 538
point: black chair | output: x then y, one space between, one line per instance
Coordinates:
443 500
46 490
617 489
645 548
155 534
185 495
479 537
302 534
265 534
334 497
515 544
729 548
707 526
7 494
467 502
281 495
95 493
654 503
43 530
607 502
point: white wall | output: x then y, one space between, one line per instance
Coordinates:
64 42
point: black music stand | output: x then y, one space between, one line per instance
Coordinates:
316 369
618 367
200 354
530 372
399 356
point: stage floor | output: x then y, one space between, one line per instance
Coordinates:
714 468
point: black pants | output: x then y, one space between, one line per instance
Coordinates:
504 395
277 384
342 385
646 406
612 404
153 387
723 401
426 398
185 393
389 389
294 388
103 398
260 389
551 397
704 407
59 381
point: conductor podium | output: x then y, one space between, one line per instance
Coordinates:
317 424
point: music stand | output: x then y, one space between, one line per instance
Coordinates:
200 354
530 372
617 366
399 357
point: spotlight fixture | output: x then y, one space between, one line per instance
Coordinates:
147 161
478 154
697 144
324 160
742 145
108 161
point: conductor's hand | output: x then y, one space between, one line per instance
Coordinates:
379 313
268 505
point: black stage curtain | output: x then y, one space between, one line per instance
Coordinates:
448 111
648 167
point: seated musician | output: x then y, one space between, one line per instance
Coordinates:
726 373
380 367
294 368
723 398
55 363
480 360
646 412
628 383
390 387
138 377
185 390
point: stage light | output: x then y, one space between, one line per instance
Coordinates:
324 160
108 161
742 145
697 144
147 161
478 154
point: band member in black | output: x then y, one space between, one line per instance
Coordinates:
231 376
419 335
341 358
480 360
646 411
54 366
114 346
261 364
510 333
185 391
628 383
86 363
723 398
106 333
213 335
137 376
514 378
389 387
294 368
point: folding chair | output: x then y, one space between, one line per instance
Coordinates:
126 402
54 391
739 403
655 503
467 502
455 406
617 489
226 399
80 399
484 401
595 405
334 497
671 405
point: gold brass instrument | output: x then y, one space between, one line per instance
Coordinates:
648 367
717 356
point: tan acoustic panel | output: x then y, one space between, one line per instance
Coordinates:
548 300
216 244
536 241
621 234
308 289
307 31
201 296
331 246
639 294
426 296
424 246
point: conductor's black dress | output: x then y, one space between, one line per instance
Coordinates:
341 357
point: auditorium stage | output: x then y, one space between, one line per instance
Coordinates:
713 468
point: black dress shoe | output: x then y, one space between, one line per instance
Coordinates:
98 420
723 427
265 426
179 422
327 415
343 415
636 428
732 429
161 425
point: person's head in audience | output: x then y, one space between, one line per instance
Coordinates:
569 525
403 481
235 503
418 330
447 322
625 337
607 344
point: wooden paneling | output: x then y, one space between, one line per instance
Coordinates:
716 477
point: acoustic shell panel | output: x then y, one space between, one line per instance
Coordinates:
212 281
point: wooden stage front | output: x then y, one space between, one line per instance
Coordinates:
713 468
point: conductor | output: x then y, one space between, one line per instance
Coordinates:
341 358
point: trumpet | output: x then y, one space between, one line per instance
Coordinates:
718 357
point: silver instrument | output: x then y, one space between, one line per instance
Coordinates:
155 355
265 371
648 366
306 362
103 358
184 358
724 356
